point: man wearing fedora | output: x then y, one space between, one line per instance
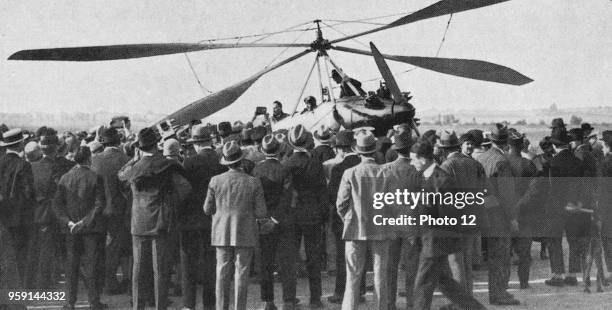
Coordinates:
158 188
563 178
236 201
17 194
354 205
45 237
346 159
117 210
323 151
501 215
311 209
469 177
194 226
278 193
400 175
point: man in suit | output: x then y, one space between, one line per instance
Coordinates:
603 211
564 179
357 189
158 188
278 193
401 175
78 203
17 194
116 211
46 237
194 225
311 211
528 210
501 214
437 242
323 151
348 159
469 177
236 201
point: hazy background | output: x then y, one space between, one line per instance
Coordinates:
564 45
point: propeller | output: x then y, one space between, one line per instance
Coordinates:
127 51
437 9
467 68
223 98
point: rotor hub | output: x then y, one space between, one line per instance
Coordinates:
320 44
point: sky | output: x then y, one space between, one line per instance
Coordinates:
564 45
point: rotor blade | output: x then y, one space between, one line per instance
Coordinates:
127 51
467 68
387 75
437 9
223 98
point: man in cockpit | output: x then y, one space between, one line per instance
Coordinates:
345 89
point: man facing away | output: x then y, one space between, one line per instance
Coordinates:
354 205
235 200
158 187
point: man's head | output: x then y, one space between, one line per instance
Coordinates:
277 108
606 137
365 143
110 137
467 144
515 141
13 140
32 151
201 137
344 141
83 156
546 146
402 143
336 76
448 142
559 138
311 102
421 155
499 136
147 140
576 137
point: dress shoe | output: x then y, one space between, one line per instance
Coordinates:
555 282
571 281
525 286
335 299
505 301
269 306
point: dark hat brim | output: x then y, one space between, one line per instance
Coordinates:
278 150
225 162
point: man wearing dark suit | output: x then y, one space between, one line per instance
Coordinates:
17 194
311 210
236 201
158 188
401 175
278 193
344 140
117 211
525 171
501 215
46 237
78 203
603 211
194 225
323 151
564 179
437 242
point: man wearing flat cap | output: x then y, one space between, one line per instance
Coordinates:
45 233
194 226
117 209
158 188
501 213
17 192
235 200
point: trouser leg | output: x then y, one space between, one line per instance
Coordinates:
555 253
454 291
312 245
413 254
499 266
426 281
74 245
523 250
190 243
267 244
287 250
208 271
395 249
225 262
161 270
243 257
607 251
118 237
380 253
141 254
93 248
340 260
355 252
577 253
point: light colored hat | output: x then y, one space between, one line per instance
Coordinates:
365 142
231 153
172 147
300 138
12 137
270 146
200 133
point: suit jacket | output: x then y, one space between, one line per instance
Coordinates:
199 169
501 201
400 174
564 177
278 190
308 179
530 203
603 212
355 203
437 241
80 197
349 161
323 152
16 190
47 173
158 188
235 200
107 164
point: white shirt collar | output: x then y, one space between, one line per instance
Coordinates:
14 152
429 171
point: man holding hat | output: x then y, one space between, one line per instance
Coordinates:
311 211
236 201
17 192
401 175
502 215
45 236
158 188
354 205
194 226
117 210
278 193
